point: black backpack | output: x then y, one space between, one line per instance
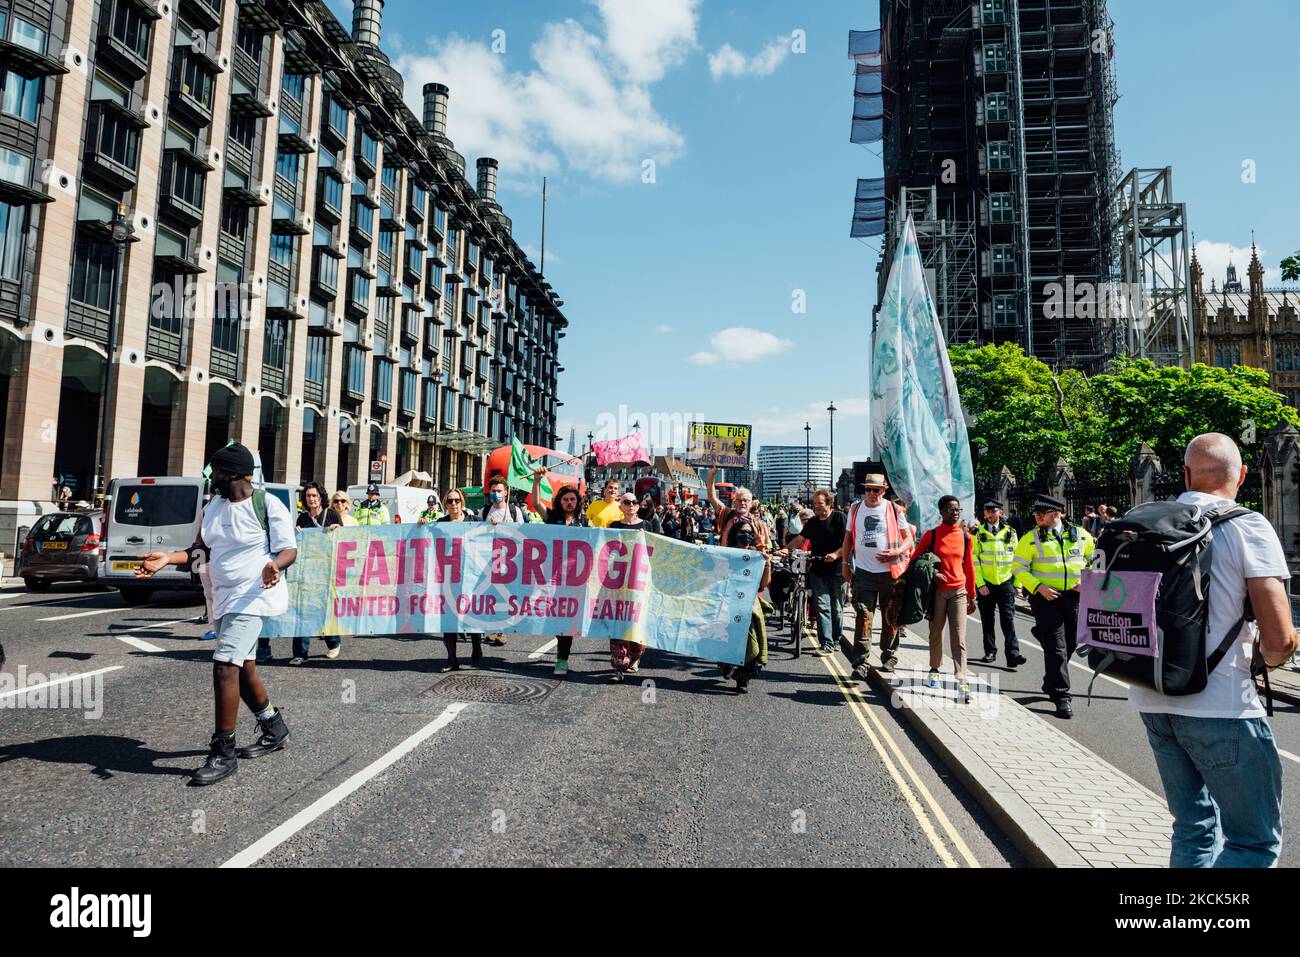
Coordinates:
1175 541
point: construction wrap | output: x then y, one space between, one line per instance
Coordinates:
526 579
869 209
916 416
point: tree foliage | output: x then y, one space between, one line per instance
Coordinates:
1291 268
1017 419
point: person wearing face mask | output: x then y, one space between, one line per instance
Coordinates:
496 510
249 540
566 509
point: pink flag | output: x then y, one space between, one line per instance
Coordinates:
630 448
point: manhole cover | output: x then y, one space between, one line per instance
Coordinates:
491 689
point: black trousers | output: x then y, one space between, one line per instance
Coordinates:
1054 628
1002 600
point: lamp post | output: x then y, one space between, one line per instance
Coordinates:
807 462
591 469
121 232
436 379
832 410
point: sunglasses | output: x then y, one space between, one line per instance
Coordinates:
453 501
338 501
628 501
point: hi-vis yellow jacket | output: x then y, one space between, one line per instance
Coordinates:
994 554
1052 558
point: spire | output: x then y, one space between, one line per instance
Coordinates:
1231 283
1256 269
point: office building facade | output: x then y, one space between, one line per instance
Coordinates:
308 269
786 469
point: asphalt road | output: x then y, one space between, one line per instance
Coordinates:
1109 726
389 765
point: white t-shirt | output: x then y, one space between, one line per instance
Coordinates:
237 555
1245 547
869 535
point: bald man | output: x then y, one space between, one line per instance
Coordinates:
1215 750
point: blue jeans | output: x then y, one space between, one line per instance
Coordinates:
1223 782
828 599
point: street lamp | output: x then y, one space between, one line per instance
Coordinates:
120 233
590 468
807 461
436 379
832 410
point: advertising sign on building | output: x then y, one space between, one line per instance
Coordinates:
720 444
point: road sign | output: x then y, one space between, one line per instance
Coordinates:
377 471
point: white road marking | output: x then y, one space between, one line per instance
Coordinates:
256 851
137 643
84 614
545 649
50 601
1288 754
59 681
1033 644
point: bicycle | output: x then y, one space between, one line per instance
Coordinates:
797 599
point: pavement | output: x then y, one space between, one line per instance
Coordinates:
392 762
1061 803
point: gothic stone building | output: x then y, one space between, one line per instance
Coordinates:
1254 327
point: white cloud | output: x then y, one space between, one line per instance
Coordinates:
787 421
649 38
1215 257
739 344
663 329
728 61
584 104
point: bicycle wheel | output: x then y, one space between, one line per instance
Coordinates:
797 619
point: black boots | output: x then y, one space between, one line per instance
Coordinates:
221 762
274 733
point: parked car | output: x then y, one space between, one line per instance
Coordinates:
62 546
144 515
405 502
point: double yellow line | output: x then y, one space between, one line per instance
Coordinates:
876 734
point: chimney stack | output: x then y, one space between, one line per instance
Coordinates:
366 15
435 108
487 179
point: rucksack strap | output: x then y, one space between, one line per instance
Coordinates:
259 509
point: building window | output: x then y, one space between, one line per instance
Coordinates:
369 147
131 28
317 358
92 271
363 218
13 236
274 344
194 79
117 141
1004 310
1004 259
999 156
410 392
382 389
287 166
15 167
293 86
993 11
389 179
234 221
242 130
359 291
995 58
28 35
22 97
1002 208
227 312
282 249
356 369
997 108
327 272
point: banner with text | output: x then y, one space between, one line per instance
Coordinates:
720 444
526 579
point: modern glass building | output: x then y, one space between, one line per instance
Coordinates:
308 269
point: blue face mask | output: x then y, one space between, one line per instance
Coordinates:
497 497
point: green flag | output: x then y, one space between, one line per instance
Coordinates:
522 466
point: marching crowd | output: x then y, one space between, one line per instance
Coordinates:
1226 812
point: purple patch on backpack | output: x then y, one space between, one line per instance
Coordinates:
1122 616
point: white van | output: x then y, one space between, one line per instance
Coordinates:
405 502
143 515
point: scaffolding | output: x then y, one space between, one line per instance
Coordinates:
999 113
947 245
1153 305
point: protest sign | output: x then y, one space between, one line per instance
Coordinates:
720 444
532 580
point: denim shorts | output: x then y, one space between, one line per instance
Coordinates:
237 638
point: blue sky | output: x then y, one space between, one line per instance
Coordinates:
679 291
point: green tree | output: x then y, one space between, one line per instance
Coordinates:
1291 268
1167 406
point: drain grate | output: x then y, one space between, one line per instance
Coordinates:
490 689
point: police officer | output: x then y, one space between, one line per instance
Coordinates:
995 587
431 512
1049 561
372 511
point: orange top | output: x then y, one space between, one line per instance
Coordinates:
957 566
